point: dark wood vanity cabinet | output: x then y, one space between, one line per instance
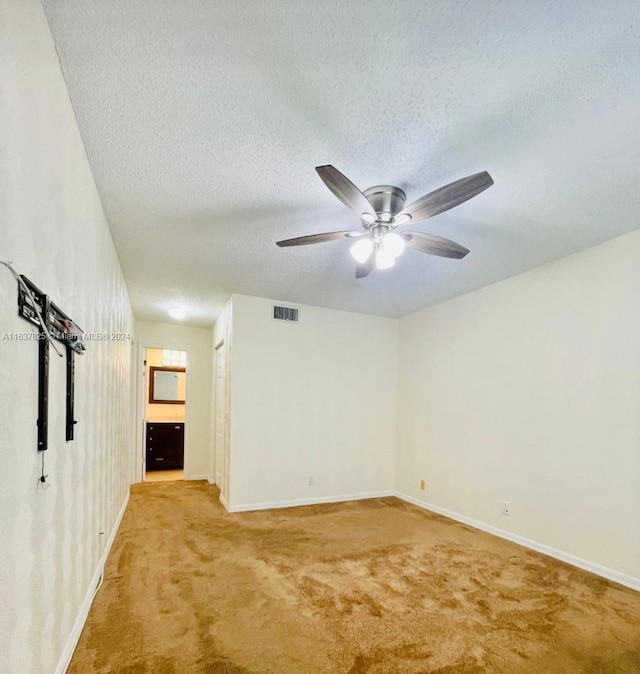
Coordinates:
165 445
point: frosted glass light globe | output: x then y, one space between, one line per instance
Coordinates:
393 244
384 260
362 249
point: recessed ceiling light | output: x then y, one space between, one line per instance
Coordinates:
178 313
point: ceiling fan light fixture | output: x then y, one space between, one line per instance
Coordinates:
393 244
382 209
402 219
362 249
384 260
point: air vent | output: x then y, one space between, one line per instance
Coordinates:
285 314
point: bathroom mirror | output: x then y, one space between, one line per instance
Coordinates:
167 385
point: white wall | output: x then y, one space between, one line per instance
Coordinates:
222 333
313 398
197 343
53 228
529 391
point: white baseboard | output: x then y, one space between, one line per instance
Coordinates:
599 570
225 503
196 477
210 480
72 641
271 505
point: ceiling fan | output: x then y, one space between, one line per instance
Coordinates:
381 209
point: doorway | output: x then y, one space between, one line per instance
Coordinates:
165 376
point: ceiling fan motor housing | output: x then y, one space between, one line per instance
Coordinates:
386 201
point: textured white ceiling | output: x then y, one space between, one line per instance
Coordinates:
203 122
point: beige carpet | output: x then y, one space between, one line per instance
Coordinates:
374 586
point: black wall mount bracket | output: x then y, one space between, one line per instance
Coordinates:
63 330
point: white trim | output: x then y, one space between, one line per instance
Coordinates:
225 503
72 641
599 570
139 449
196 477
210 480
135 411
304 501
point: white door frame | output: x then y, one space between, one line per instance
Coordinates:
135 414
221 402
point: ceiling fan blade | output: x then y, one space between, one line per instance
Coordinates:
446 197
366 267
434 245
317 238
347 192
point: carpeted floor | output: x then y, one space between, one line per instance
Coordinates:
374 586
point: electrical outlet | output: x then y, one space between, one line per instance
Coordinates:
422 485
310 480
506 508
